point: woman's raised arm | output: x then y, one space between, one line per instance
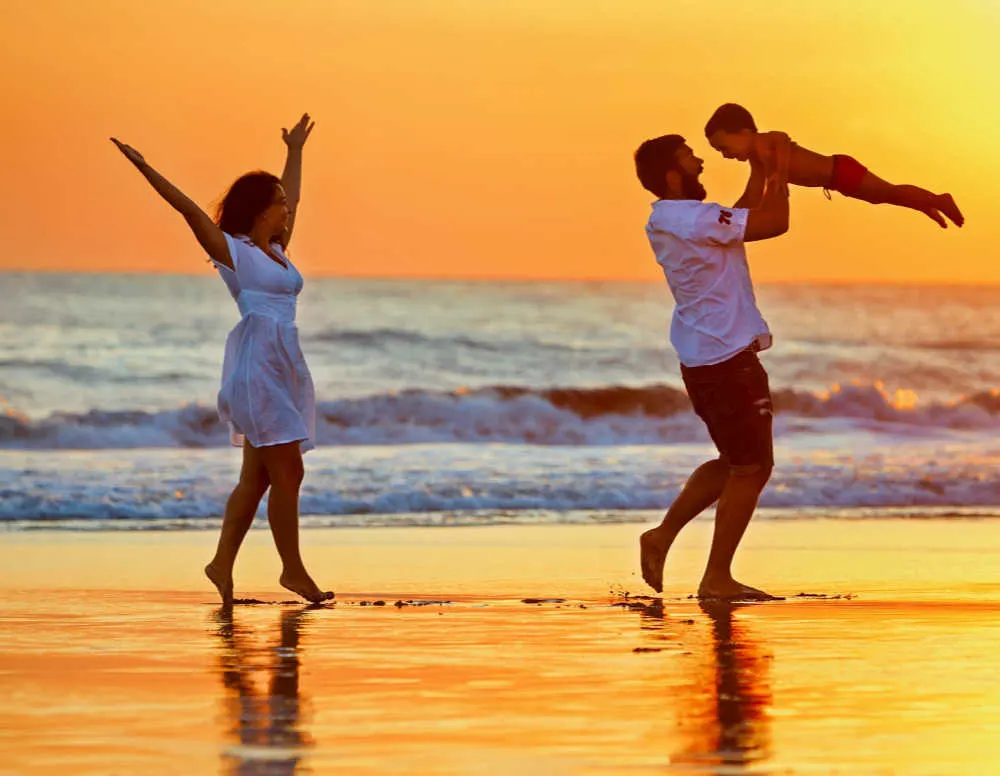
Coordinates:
291 178
205 230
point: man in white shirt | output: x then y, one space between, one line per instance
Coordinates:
717 331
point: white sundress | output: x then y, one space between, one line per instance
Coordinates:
267 392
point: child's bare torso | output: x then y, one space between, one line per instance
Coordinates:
805 167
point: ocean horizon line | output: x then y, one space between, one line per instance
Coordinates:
527 281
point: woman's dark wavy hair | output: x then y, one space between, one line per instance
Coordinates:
248 197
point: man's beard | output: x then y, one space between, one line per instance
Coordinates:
691 188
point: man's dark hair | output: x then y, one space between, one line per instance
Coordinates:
652 160
730 118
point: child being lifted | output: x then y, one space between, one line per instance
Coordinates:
732 132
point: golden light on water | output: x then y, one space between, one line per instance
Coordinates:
904 399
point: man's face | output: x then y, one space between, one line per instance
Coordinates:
732 145
689 167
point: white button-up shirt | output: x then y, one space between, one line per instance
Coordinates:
700 247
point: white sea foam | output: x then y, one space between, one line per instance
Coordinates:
473 484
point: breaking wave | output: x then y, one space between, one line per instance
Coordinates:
604 415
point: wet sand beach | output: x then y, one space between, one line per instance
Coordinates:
117 659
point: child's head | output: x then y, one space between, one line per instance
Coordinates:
730 131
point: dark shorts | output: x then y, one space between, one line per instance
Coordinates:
848 173
734 400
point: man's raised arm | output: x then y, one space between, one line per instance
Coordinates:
754 191
770 218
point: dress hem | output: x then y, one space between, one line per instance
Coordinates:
274 444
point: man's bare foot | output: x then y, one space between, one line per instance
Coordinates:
731 590
652 555
949 208
936 217
303 585
223 582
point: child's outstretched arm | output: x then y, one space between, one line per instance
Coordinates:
205 230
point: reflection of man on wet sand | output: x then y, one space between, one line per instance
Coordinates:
725 718
717 331
267 725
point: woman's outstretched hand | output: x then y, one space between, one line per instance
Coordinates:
297 135
130 153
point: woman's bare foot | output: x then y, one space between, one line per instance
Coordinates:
223 582
302 584
949 208
653 548
731 590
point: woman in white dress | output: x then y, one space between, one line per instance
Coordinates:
267 392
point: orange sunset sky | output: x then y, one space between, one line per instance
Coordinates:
491 138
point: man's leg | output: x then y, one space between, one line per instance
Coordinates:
702 489
736 506
739 413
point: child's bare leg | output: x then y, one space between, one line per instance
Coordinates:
877 191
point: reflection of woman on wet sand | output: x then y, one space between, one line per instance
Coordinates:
724 715
268 723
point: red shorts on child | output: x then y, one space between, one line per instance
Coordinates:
848 173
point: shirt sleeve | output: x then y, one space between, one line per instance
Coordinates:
234 253
717 225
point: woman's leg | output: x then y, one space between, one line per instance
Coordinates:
240 511
284 468
877 191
